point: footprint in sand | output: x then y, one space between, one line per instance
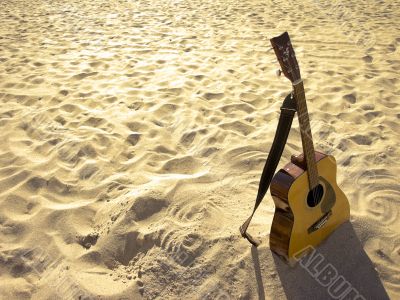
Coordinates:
181 165
188 138
81 76
179 245
146 206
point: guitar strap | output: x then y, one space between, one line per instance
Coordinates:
288 110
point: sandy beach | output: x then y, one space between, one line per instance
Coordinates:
133 135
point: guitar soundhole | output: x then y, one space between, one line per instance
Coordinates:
314 196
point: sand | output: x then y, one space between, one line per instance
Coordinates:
133 135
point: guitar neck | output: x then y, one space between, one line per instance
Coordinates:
306 136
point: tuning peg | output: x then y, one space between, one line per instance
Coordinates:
278 72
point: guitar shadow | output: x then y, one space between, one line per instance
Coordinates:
344 252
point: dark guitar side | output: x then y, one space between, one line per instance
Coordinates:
283 218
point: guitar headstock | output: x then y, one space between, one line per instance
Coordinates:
286 57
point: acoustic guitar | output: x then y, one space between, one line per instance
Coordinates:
309 205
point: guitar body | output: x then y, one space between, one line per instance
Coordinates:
300 221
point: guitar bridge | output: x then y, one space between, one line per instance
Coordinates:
320 222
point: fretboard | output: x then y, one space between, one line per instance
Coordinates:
306 136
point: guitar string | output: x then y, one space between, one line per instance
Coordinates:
306 135
308 145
